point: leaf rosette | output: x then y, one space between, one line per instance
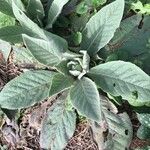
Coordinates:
79 66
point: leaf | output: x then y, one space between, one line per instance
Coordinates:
46 52
5 48
124 79
35 31
144 130
119 127
35 9
136 41
102 26
85 98
60 125
60 83
6 20
125 30
26 90
14 33
6 6
54 11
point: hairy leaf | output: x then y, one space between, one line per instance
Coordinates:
122 79
54 11
34 30
14 33
119 127
144 130
5 48
6 6
46 52
102 26
85 98
58 127
26 90
35 9
6 20
60 83
125 30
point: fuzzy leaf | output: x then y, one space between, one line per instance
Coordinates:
35 9
85 98
6 20
102 26
26 90
14 33
60 83
122 79
54 11
144 130
58 127
33 29
119 127
6 6
46 52
5 48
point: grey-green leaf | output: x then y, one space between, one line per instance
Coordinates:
122 79
60 83
144 130
54 11
102 26
5 48
46 52
119 127
85 98
33 29
6 6
14 33
35 9
58 127
26 90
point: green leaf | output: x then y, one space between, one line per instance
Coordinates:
137 42
119 127
54 11
14 33
60 83
58 126
24 58
26 23
26 90
144 119
85 98
6 20
6 6
102 26
82 8
122 79
46 52
125 30
34 30
144 130
35 9
5 48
